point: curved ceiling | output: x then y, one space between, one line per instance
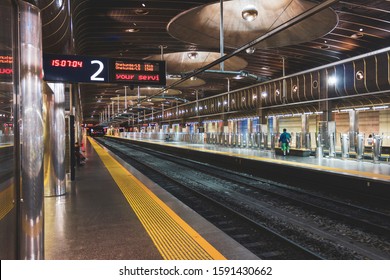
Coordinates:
201 25
102 28
182 62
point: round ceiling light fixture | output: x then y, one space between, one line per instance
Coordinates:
249 13
192 55
359 75
357 35
141 12
132 30
250 50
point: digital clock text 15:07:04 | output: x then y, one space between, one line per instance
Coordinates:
67 63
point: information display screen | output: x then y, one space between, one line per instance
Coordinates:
6 70
75 69
138 72
82 69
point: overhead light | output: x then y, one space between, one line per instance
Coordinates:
277 92
141 11
332 80
265 67
249 13
360 75
238 77
192 55
362 109
250 50
264 94
132 30
357 35
380 107
295 89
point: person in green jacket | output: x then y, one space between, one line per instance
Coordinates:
284 141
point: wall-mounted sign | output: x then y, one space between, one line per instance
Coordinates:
6 70
138 72
83 69
75 69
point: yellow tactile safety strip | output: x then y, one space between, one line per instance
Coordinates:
7 199
173 237
370 175
5 146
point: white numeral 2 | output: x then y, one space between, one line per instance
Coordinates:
95 77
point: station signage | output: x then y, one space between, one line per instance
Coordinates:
84 69
75 69
6 71
138 72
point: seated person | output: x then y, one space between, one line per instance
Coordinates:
80 158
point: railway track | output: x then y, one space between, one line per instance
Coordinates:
284 212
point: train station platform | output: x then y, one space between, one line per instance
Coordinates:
112 212
356 174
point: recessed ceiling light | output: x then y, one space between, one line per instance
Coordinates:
141 12
357 35
192 55
360 75
250 50
132 30
249 13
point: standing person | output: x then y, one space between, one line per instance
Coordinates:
370 140
284 141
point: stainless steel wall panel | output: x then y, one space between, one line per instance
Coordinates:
8 215
340 84
360 85
383 70
370 74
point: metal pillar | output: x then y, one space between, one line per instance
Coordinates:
304 130
377 148
332 138
31 231
360 146
319 146
353 128
55 183
345 146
